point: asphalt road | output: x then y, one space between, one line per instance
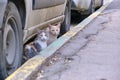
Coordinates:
93 54
115 5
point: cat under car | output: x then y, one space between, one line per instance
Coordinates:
44 38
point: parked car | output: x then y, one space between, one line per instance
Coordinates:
19 20
86 7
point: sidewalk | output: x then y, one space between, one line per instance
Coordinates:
93 54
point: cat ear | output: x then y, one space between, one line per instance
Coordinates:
49 26
59 24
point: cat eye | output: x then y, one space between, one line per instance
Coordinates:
53 30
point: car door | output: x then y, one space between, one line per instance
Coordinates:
49 8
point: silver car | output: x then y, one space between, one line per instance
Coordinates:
19 20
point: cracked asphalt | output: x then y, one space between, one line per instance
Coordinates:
93 54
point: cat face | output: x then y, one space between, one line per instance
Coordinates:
43 35
54 30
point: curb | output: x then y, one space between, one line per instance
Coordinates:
31 66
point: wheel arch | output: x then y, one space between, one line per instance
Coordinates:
20 4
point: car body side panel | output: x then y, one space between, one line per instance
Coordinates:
31 32
40 16
3 4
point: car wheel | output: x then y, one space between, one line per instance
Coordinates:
66 23
12 48
101 3
91 8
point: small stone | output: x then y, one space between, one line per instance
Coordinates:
69 60
39 76
42 71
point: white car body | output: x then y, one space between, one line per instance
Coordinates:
84 5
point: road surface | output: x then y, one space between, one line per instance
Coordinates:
93 54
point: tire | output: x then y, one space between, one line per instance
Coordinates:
101 3
12 40
91 8
66 23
